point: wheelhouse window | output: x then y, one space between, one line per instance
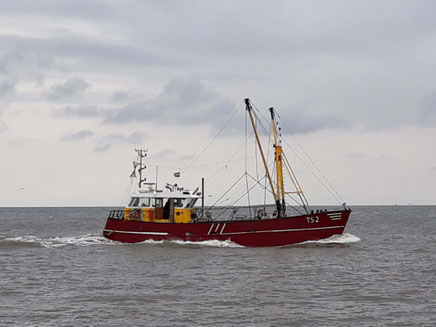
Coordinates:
134 202
157 203
179 203
145 202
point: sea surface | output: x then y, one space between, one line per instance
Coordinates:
56 269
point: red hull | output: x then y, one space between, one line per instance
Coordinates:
266 232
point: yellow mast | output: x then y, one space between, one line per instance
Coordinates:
279 168
281 161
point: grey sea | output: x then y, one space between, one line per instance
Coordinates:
57 270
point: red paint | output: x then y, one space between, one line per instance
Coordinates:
265 232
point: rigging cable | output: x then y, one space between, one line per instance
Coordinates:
226 192
258 182
127 191
211 141
339 197
228 161
251 187
267 158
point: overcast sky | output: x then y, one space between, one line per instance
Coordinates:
82 83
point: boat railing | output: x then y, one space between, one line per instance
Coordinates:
116 214
241 212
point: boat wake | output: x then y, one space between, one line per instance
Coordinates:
345 238
210 243
55 242
94 239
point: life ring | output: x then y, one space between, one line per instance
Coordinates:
134 214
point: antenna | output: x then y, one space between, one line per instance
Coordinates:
142 153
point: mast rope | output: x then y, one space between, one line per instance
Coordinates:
211 141
256 182
127 191
315 175
228 161
328 188
237 181
267 159
338 197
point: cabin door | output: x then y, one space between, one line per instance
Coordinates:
158 210
168 210
171 216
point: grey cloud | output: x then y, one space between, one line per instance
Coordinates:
182 101
164 154
79 135
6 88
427 114
106 141
289 28
86 51
133 138
355 56
67 8
21 63
102 148
300 123
79 111
120 96
71 88
190 102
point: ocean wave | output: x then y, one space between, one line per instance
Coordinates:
56 242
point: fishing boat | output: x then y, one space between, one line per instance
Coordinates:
173 213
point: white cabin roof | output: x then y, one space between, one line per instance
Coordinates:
185 194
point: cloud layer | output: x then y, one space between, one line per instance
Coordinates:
329 65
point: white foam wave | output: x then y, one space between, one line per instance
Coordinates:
55 242
345 238
149 242
212 243
92 239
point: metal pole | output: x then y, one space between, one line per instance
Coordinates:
248 108
140 168
202 196
156 176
